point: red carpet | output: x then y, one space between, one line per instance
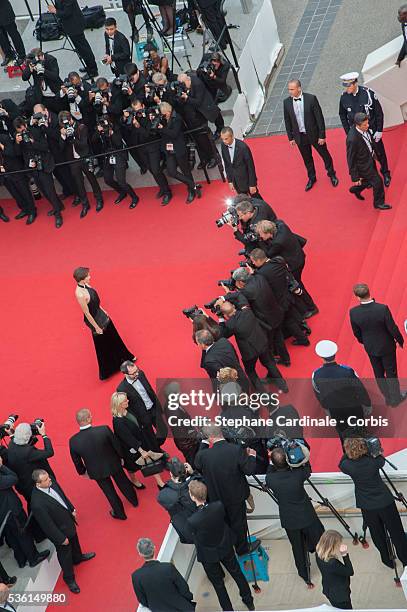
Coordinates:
147 265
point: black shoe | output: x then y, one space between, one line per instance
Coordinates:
4 217
383 206
99 205
76 201
282 386
83 70
310 313
21 565
387 180
6 61
198 189
72 586
211 164
310 184
298 342
143 170
40 558
134 201
334 180
283 362
84 211
86 557
139 487
51 213
159 194
11 580
356 192
191 196
120 197
166 199
306 328
58 220
116 516
249 604
21 215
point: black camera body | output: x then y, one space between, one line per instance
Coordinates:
26 136
374 446
229 216
7 427
206 68
192 312
250 236
213 307
229 283
104 123
176 88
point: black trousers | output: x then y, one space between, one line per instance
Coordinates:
151 159
342 605
305 148
19 189
381 157
45 182
11 30
306 298
125 486
385 371
388 519
4 577
375 180
237 519
215 21
79 171
115 176
85 52
65 179
276 344
185 176
303 540
21 542
292 324
216 575
270 365
68 556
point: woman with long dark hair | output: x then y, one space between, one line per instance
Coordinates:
110 348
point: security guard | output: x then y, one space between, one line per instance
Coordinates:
359 99
339 390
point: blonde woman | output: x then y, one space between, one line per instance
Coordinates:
127 429
336 569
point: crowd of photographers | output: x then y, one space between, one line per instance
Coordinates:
74 129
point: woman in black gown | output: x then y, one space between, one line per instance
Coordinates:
110 348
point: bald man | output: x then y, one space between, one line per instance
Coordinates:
95 451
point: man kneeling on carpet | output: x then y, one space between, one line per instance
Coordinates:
57 517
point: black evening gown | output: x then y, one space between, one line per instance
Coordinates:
110 348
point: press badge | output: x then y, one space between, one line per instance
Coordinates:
169 147
112 160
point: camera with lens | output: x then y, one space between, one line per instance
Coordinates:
70 130
7 427
26 136
103 123
156 118
192 312
213 307
148 62
122 81
71 93
38 119
90 163
34 426
206 68
176 88
374 446
36 162
99 95
229 283
153 90
250 236
295 449
229 216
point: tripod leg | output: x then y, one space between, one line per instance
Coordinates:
310 584
392 555
256 587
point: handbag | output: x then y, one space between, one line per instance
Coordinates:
95 16
102 319
47 28
153 464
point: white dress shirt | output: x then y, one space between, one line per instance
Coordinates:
232 148
367 139
298 104
52 493
141 391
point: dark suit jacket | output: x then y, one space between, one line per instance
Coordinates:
403 50
97 451
360 160
336 578
313 119
173 133
275 273
294 505
260 296
200 100
250 337
241 172
213 537
50 77
79 141
370 491
121 51
7 15
56 521
262 212
286 244
11 157
374 327
9 499
130 436
136 404
222 355
224 468
23 460
39 146
71 16
161 588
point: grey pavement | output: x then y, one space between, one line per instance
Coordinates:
323 39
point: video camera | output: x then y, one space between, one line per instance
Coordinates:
295 449
192 312
7 427
229 216
374 446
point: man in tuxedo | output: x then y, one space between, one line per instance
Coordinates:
217 355
43 69
57 517
214 545
159 586
239 164
361 157
374 327
224 467
305 127
402 17
96 452
143 401
73 25
117 47
8 28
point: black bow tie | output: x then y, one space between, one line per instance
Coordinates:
297 99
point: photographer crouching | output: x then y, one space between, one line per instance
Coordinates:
362 463
213 71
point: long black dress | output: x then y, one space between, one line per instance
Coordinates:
110 348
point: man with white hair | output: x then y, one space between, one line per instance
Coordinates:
159 586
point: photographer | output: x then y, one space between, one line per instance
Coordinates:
44 70
204 321
174 147
114 164
74 144
153 63
76 92
117 53
137 129
374 498
297 514
213 71
250 212
135 84
336 569
35 148
174 498
18 184
106 100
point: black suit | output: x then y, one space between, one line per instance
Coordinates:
297 514
403 50
222 355
161 588
49 79
362 165
241 171
24 459
314 124
376 501
174 146
121 52
224 468
175 498
58 523
97 451
73 25
214 546
8 28
262 212
215 21
17 185
374 327
336 581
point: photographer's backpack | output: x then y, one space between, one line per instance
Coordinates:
47 28
95 16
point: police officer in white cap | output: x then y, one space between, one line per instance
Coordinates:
338 389
360 99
